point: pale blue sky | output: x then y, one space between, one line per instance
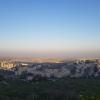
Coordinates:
50 27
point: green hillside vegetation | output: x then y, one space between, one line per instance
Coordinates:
62 89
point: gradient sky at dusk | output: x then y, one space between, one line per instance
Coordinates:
67 28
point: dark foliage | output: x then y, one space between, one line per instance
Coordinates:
62 89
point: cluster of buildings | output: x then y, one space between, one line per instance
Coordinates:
7 65
76 68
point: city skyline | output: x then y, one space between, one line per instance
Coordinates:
50 28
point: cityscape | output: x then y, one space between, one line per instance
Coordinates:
49 49
49 68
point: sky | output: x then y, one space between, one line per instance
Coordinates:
50 28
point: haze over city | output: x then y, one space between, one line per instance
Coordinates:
50 28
